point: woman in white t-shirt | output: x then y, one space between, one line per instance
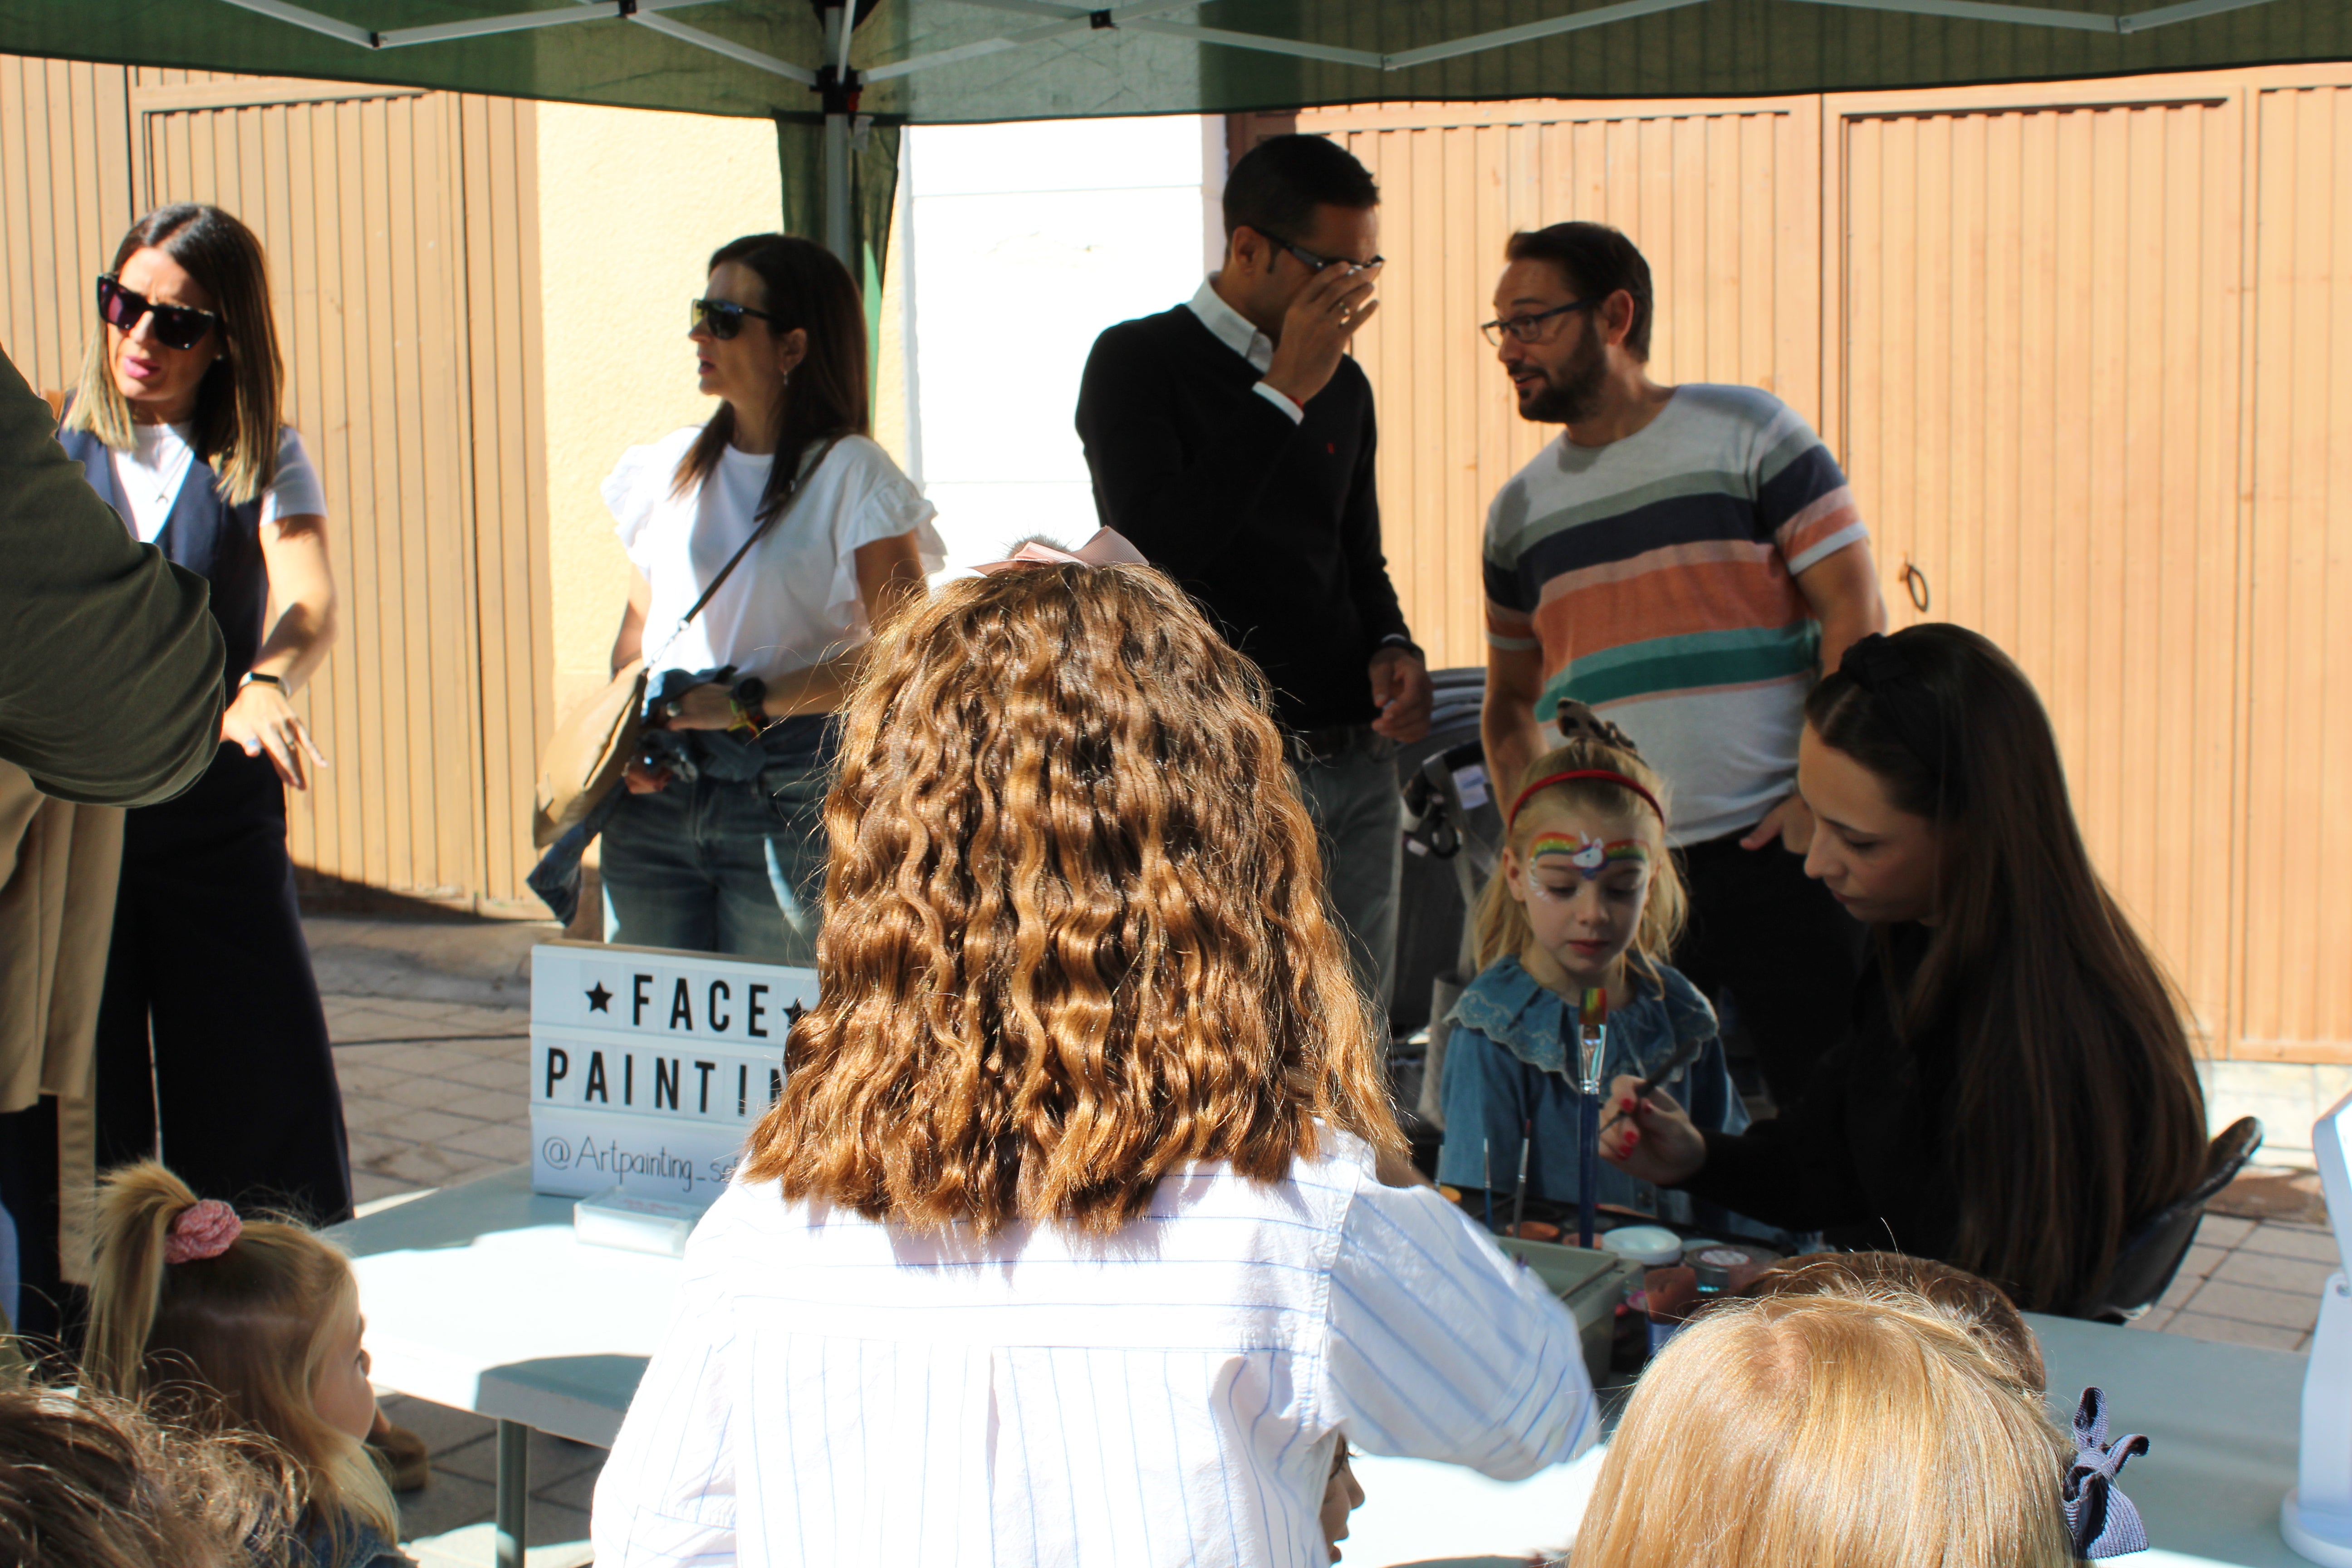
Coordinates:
717 846
211 1038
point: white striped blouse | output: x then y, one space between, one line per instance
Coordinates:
834 1392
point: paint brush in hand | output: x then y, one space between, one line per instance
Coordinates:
1684 1055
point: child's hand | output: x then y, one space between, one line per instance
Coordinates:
1652 1140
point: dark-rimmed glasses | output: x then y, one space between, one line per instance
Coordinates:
176 326
722 319
1532 329
1315 263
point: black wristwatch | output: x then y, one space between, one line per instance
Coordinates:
746 700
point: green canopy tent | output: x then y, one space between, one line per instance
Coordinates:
839 86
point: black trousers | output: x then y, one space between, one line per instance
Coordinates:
211 1046
1786 951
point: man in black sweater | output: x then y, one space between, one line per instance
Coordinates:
1232 440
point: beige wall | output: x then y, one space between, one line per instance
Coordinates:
631 203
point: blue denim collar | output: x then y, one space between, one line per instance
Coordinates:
1508 1006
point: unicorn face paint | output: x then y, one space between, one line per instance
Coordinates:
1583 879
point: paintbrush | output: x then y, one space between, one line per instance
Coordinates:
1683 1056
1591 1045
1520 1194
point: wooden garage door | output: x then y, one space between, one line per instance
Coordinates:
1724 199
405 295
2038 399
2297 835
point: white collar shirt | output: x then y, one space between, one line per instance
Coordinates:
1234 330
834 1391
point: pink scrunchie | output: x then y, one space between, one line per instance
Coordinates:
207 1230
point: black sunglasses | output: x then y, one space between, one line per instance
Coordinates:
176 326
723 318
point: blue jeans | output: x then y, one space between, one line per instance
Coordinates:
730 856
1359 826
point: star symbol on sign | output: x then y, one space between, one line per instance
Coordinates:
599 999
792 1016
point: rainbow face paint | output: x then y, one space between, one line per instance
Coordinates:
1591 856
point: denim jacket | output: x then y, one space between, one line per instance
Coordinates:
1511 1062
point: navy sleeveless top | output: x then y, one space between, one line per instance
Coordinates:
219 543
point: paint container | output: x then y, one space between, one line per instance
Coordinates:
1672 1295
1645 1246
1722 1267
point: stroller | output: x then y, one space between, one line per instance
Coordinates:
1452 840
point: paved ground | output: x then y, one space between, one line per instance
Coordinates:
431 1035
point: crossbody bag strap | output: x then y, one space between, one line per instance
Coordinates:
773 517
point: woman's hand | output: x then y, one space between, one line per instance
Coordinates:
1652 1140
640 779
704 707
262 719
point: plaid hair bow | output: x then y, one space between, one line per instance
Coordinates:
2102 1520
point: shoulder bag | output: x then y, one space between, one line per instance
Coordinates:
590 749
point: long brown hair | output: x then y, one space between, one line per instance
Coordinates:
804 286
237 419
2077 1111
1075 932
1867 1433
1500 922
231 1342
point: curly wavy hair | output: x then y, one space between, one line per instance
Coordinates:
1075 933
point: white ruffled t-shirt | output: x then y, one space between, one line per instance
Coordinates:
794 600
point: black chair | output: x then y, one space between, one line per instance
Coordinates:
2151 1254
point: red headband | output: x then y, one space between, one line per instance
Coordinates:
1603 774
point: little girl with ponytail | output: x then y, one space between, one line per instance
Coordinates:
243 1324
1586 897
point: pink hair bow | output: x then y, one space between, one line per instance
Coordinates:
1109 547
206 1230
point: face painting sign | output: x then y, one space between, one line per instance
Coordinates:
648 1069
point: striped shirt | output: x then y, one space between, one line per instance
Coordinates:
832 1391
1656 575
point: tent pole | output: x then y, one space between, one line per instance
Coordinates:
838 237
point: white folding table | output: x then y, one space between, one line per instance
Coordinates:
478 1296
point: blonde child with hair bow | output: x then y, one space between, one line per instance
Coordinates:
244 1325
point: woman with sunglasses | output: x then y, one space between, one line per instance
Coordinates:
718 844
211 1035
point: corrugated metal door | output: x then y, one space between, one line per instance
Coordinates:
63 203
1724 199
412 360
2297 844
2038 403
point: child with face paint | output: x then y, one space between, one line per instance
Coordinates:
1587 896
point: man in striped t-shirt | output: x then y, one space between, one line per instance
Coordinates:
1686 560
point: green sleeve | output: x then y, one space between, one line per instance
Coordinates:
110 660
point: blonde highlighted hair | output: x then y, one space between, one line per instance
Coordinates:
1500 923
233 1342
1868 1433
237 419
1075 933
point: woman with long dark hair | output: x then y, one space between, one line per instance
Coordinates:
717 846
211 1046
2017 1092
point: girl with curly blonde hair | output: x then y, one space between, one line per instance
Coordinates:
1066 1241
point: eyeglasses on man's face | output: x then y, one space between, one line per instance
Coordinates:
1532 328
1313 263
